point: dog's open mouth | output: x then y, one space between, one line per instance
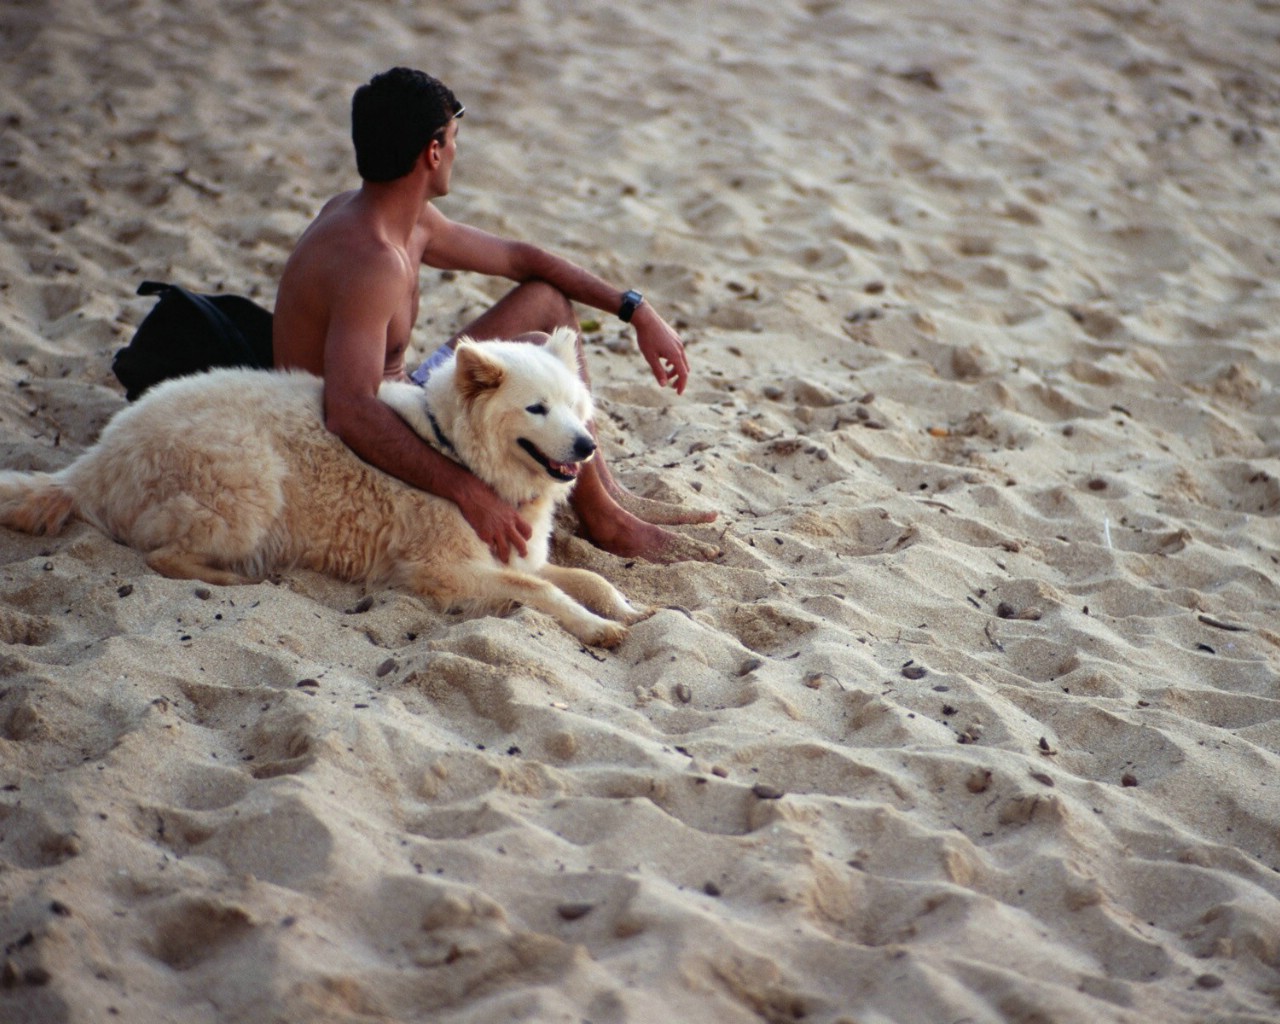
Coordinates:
565 471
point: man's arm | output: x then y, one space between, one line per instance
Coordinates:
453 246
355 352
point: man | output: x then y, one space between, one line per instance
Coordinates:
348 300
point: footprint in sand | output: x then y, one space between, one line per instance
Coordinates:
19 629
191 929
461 822
37 833
279 839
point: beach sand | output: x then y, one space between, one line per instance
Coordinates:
976 720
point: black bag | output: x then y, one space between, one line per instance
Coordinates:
186 333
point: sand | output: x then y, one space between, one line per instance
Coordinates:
976 720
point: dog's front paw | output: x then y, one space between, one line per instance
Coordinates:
632 614
609 635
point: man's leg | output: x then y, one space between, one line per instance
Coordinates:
532 306
613 518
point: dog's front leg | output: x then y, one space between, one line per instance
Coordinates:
594 591
544 596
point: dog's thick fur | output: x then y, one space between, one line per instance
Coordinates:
229 475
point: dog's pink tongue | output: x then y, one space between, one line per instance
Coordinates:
566 468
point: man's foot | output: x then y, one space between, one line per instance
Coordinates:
661 513
629 537
650 510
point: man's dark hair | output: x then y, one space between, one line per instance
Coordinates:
394 118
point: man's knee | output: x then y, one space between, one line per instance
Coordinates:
531 306
555 307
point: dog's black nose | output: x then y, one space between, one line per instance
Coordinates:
583 448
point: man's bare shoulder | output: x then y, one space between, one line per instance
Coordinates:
342 225
345 242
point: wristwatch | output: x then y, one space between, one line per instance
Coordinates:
630 303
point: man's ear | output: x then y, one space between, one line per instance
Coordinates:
477 372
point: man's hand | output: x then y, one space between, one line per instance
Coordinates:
662 349
495 522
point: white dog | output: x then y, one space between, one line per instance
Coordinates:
228 475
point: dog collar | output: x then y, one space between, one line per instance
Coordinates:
445 443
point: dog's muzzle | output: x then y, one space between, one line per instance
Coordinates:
584 448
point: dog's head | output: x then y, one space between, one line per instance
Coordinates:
527 412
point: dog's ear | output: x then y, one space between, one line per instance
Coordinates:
563 344
477 371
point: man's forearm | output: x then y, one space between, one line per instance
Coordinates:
382 439
574 282
658 342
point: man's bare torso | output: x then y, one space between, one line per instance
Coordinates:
316 278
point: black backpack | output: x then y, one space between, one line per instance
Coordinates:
187 333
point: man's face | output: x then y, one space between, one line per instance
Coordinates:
448 149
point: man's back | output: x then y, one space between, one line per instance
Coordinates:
345 239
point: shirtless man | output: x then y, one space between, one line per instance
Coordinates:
348 301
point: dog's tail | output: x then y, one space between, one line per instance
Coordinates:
38 503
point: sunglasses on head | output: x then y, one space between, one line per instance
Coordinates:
439 132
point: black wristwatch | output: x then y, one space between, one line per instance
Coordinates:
630 303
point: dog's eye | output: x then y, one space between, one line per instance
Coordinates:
537 409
